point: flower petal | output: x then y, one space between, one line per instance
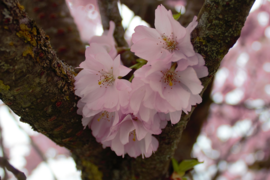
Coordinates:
126 128
175 116
189 78
147 49
117 146
162 22
86 121
143 32
123 70
116 65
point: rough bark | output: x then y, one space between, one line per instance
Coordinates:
39 87
54 18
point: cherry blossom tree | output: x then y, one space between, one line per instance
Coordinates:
38 60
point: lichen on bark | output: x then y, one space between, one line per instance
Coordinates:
54 18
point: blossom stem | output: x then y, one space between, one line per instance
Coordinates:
173 67
131 78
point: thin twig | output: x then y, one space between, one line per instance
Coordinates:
18 174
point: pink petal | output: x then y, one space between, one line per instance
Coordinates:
126 128
178 30
106 60
201 61
86 121
88 112
136 99
80 106
147 49
144 114
117 146
141 73
94 48
147 141
123 70
175 116
140 130
182 64
94 95
152 148
116 64
201 71
124 97
123 85
143 32
162 22
111 98
189 78
156 83
185 46
111 30
192 25
149 99
177 96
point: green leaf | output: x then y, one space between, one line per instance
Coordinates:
176 168
188 164
184 178
177 16
175 165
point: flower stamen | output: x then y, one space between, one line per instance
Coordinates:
133 133
106 79
104 114
170 43
170 77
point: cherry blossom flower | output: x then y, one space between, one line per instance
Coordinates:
166 88
106 40
101 123
169 38
98 84
131 136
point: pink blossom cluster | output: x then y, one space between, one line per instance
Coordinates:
125 115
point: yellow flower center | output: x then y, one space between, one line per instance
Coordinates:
170 43
104 115
170 77
106 78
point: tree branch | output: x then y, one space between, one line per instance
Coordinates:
18 174
54 18
39 87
